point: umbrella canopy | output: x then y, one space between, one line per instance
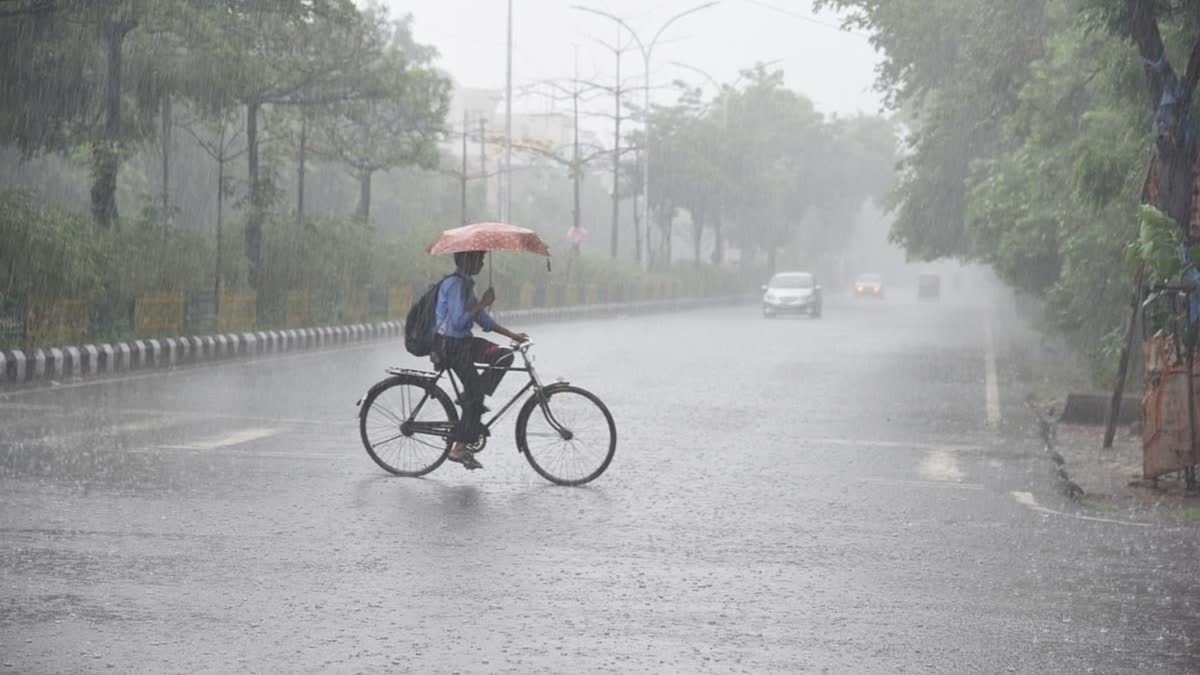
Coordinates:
489 237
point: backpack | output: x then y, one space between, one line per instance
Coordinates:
420 325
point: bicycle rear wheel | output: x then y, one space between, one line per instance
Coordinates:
579 447
405 424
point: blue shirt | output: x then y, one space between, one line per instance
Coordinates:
455 299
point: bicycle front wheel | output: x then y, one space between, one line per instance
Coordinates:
405 423
570 441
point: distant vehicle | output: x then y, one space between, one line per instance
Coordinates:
792 292
929 287
868 286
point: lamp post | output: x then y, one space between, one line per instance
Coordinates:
647 50
507 217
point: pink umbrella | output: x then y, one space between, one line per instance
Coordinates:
489 237
577 235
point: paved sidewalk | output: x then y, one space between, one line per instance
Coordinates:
1112 479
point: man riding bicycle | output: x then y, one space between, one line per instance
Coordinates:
456 348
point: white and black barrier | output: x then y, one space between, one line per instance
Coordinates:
54 364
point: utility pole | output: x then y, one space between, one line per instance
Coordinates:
576 168
166 157
483 157
506 211
618 91
647 50
303 152
572 158
616 167
462 177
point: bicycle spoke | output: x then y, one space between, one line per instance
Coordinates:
394 409
589 447
388 413
387 440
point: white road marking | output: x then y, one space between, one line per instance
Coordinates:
59 438
240 453
1027 500
991 382
940 465
923 483
196 415
906 445
225 440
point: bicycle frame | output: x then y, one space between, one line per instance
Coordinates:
534 383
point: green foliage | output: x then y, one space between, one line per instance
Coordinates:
47 252
950 67
761 159
1031 145
1157 248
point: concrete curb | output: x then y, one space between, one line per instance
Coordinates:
1047 432
52 364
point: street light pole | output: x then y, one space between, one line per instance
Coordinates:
507 216
647 50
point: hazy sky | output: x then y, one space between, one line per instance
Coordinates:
833 68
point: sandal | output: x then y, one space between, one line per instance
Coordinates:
467 460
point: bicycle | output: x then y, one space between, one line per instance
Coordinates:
405 422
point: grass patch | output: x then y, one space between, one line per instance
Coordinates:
1191 515
1097 504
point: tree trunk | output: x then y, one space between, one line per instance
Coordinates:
616 169
363 214
648 234
637 230
649 230
1114 404
576 168
254 222
166 156
664 248
718 254
220 224
697 235
303 155
1176 149
106 152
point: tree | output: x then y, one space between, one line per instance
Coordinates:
398 125
761 158
686 146
772 160
223 140
1175 143
957 76
58 96
1028 144
281 53
575 158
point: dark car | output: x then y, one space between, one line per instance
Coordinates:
792 293
929 287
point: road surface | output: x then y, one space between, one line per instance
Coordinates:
855 494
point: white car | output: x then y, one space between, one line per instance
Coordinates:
792 292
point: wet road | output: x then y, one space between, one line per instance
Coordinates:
787 495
